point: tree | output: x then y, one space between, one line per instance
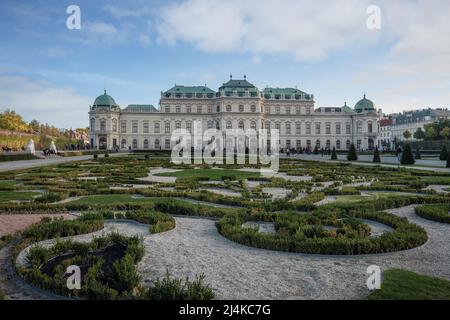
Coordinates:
445 133
444 154
448 161
407 156
430 133
376 156
352 155
419 134
418 156
10 120
407 134
334 154
316 150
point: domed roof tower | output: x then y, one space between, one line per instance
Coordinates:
364 105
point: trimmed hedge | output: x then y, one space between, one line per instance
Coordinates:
436 212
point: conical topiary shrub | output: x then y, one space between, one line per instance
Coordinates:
334 154
352 156
444 153
418 156
316 150
407 156
376 156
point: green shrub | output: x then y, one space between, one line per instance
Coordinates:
407 156
124 274
177 289
435 212
352 155
95 156
376 156
418 156
444 154
334 154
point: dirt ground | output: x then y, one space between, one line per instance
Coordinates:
9 224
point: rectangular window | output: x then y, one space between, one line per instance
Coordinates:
145 126
167 127
167 109
347 128
297 110
298 144
134 126
288 110
210 109
298 128
167 144
308 110
317 128
338 128
308 128
199 109
178 109
123 126
267 110
157 127
328 128
188 109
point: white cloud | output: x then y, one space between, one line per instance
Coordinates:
309 30
43 101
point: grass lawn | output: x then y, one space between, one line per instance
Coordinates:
212 174
7 183
407 285
11 195
113 199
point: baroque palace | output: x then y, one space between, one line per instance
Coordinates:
237 104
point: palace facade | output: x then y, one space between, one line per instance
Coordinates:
236 104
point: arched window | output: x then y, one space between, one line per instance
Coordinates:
253 125
123 144
241 124
229 125
145 143
210 124
217 125
135 144
189 126
268 126
277 126
114 125
338 144
178 125
370 127
157 145
167 127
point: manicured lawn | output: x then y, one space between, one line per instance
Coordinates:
212 174
7 183
406 285
10 195
113 199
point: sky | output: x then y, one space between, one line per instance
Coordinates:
135 49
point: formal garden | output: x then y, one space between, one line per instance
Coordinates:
141 227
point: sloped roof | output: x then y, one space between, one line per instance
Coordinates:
140 108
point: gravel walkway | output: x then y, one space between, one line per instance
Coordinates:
239 272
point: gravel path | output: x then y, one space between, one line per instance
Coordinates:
239 272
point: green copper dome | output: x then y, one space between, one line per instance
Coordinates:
105 100
346 108
364 105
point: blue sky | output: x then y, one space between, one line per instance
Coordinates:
136 49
